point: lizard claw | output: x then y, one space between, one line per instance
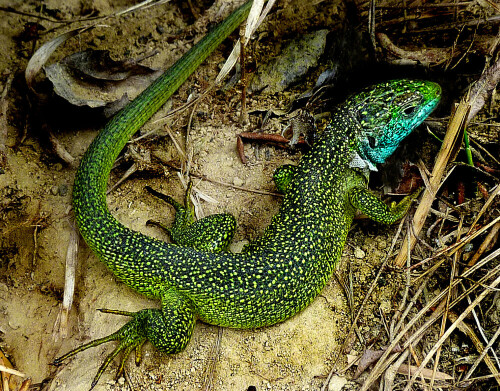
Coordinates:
131 336
168 329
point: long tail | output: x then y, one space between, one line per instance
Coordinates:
98 227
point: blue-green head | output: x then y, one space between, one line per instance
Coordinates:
387 113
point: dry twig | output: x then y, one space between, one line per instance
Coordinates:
452 138
61 324
3 120
438 303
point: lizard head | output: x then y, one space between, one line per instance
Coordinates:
387 113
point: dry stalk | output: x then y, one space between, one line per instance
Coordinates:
11 371
214 355
467 330
485 207
360 311
131 170
482 356
222 183
415 336
402 304
61 324
25 386
486 242
452 138
466 110
457 246
450 250
391 372
447 307
448 332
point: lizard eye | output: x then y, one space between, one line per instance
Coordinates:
372 142
409 110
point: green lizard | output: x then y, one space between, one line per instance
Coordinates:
276 275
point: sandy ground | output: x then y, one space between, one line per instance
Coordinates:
37 223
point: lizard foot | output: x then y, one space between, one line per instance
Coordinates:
212 233
148 324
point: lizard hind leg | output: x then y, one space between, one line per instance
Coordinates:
168 329
212 233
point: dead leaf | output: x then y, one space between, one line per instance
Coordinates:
426 372
369 357
91 78
43 53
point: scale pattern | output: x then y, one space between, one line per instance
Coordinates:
281 272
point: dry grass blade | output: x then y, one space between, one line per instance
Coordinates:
11 371
452 138
448 299
131 170
390 373
485 207
26 385
484 356
143 5
6 372
403 303
255 18
222 183
177 145
467 109
457 246
60 150
361 307
415 336
486 243
448 332
466 329
213 358
61 324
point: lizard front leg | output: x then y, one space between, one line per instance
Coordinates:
362 199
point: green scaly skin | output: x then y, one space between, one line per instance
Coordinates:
278 274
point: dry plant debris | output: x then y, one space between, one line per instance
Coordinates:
468 272
447 286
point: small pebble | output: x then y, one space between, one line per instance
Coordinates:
337 383
237 247
358 253
63 189
238 182
382 244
